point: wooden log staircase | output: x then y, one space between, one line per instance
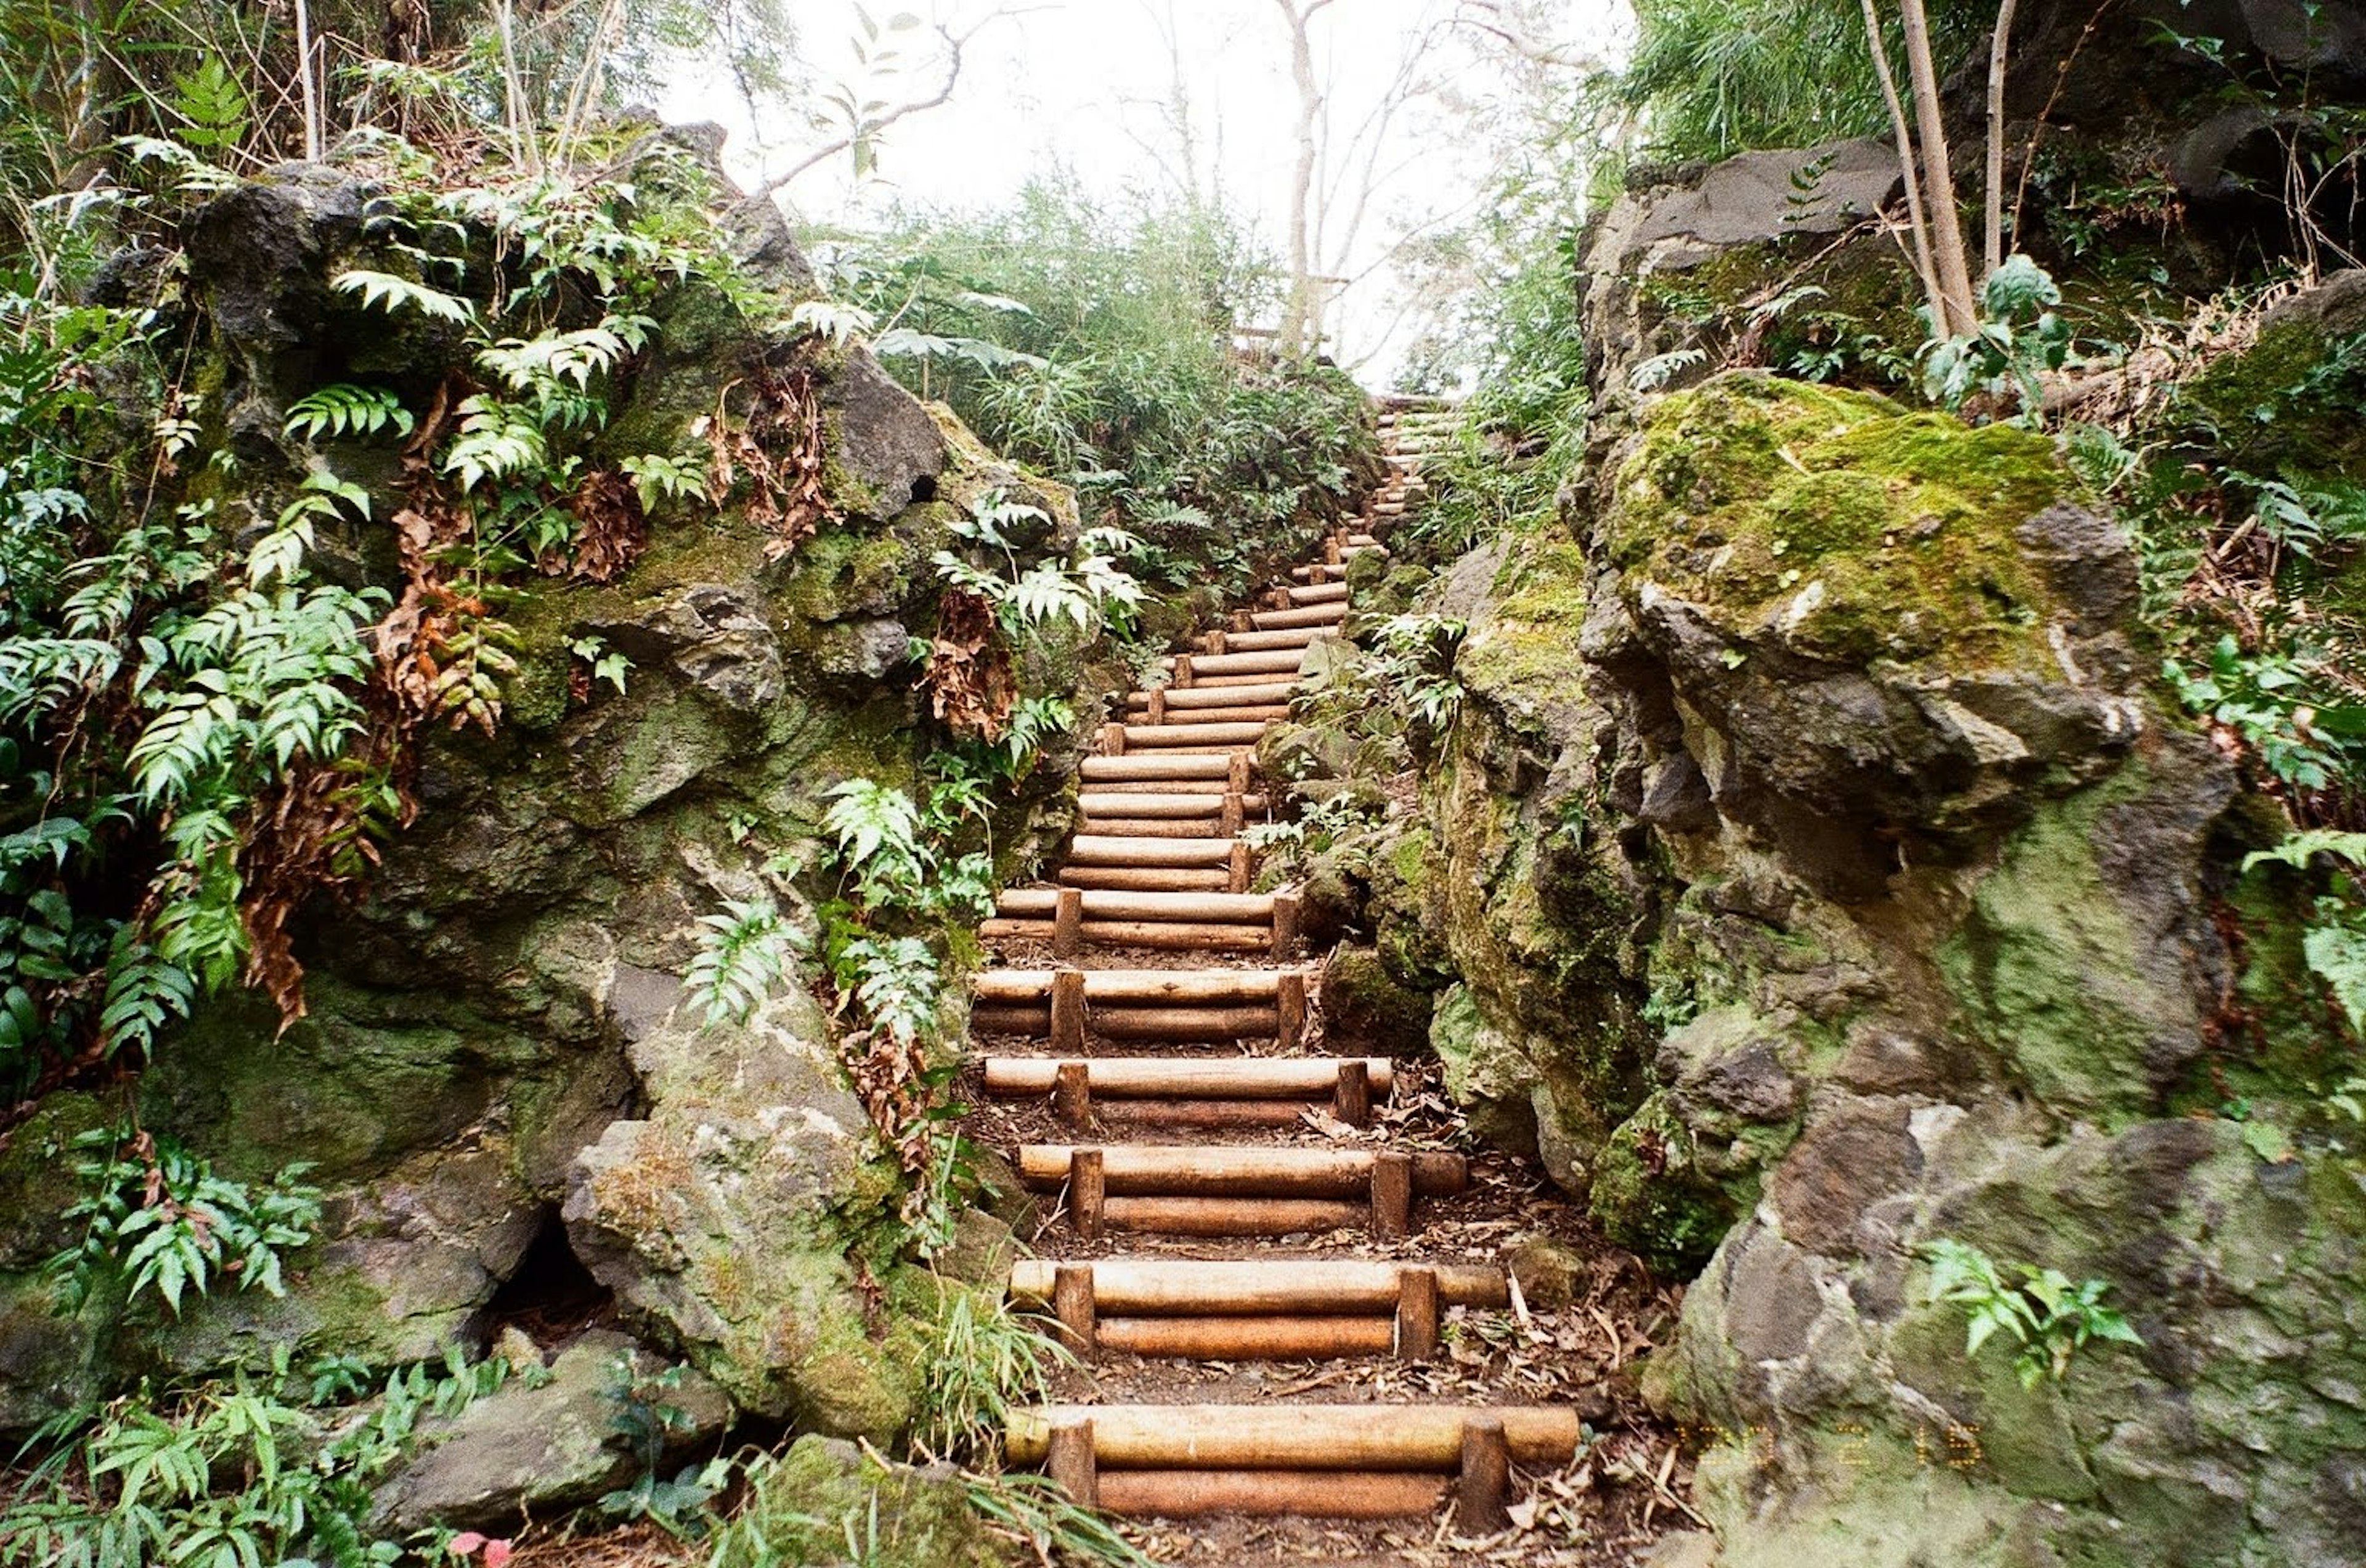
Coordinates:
1186 1097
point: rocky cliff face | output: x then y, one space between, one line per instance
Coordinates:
498 1051
1825 879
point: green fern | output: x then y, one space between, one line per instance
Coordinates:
387 292
213 108
347 409
742 953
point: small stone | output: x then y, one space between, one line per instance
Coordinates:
1548 1271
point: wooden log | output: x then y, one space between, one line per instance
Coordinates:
1067 921
1150 736
1232 1216
1226 1078
1246 1170
1005 1019
1234 817
1073 1304
1069 1458
1244 768
1239 713
1482 1489
1146 879
1390 1178
1153 705
1207 789
1178 936
1303 638
1324 572
1155 1287
1153 826
1202 1113
1140 984
1285 926
1186 668
1320 593
1248 1338
1289 1016
1072 1096
1102 849
1180 702
1416 1319
1215 642
1112 742
1240 868
1268 1494
1023 902
1088 1195
1262 662
1173 1023
1364 540
1351 1093
1096 769
1310 616
1310 1437
1222 684
1066 1023
1221 749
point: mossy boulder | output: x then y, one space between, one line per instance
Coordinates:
825 1497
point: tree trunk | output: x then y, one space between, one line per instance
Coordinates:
2000 49
1946 225
1298 312
1917 215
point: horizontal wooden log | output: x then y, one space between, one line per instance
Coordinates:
1093 802
1098 769
1294 1437
1144 878
1233 1216
1159 1286
1023 902
1240 1078
1308 615
1101 848
1320 592
1204 1115
1301 637
1153 826
1140 984
1241 713
1154 736
1180 699
1362 539
1293 1338
1202 1171
1262 662
1175 935
1322 571
1175 1024
1233 683
1268 1494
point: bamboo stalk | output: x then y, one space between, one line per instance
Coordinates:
1252 1170
1144 1287
1268 1494
1247 1077
1311 1437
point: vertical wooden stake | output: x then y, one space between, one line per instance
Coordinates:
1238 879
1229 820
1351 1100
1482 1504
1416 1313
1112 740
1391 1194
1072 1303
1087 1186
1072 1464
1216 642
1158 705
1330 551
1285 926
1067 923
1182 669
1236 781
1068 1009
1289 1009
1244 621
1072 1094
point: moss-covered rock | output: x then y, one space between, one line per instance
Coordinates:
824 1497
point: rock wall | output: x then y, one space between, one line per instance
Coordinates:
497 1048
1826 878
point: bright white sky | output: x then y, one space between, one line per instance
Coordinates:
1089 84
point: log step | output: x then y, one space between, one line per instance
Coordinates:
1153 827
1142 985
1199 1170
1144 803
1154 736
1022 903
1179 699
1263 661
1136 1078
1322 571
1153 1287
1268 1494
1306 615
1293 1437
1235 711
1144 878
1098 770
1101 848
1257 642
1319 592
1195 1025
1172 935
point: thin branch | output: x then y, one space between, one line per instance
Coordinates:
1992 234
1919 220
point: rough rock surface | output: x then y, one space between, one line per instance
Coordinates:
1826 878
826 1496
